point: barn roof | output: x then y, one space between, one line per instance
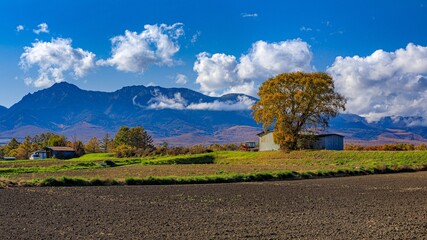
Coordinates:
317 135
264 133
61 149
329 134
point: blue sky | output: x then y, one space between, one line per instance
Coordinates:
218 47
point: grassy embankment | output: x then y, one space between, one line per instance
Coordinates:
104 169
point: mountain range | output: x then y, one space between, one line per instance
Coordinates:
178 116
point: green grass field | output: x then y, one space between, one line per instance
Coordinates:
101 169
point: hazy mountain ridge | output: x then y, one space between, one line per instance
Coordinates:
67 109
387 130
178 115
3 110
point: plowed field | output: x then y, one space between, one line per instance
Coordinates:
392 206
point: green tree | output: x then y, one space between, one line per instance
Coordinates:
2 152
122 136
295 104
106 142
13 144
137 139
57 140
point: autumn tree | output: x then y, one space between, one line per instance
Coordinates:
78 146
11 148
297 104
93 145
25 149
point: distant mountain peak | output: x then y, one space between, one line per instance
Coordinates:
64 86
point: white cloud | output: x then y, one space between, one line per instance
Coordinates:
305 29
181 78
134 52
242 103
160 101
19 28
269 59
249 15
220 73
53 59
216 72
195 37
247 88
384 83
42 28
177 102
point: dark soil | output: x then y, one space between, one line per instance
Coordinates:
390 206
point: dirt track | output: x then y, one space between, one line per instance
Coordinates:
370 207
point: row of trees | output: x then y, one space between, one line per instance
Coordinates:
128 142
387 147
23 150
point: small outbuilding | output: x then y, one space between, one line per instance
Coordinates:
60 152
330 141
266 141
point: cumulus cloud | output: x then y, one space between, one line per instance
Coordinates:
19 28
181 78
53 59
134 52
177 102
245 15
216 72
268 59
42 28
220 73
384 83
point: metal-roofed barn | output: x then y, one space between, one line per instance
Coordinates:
60 152
331 141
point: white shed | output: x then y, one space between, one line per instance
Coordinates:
266 141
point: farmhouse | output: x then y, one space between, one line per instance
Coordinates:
60 152
40 154
331 141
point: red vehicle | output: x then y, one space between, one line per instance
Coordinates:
249 147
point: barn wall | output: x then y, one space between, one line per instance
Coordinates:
266 142
328 142
334 142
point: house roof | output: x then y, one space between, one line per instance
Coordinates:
60 149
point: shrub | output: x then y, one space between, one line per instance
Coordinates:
110 163
386 147
124 150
